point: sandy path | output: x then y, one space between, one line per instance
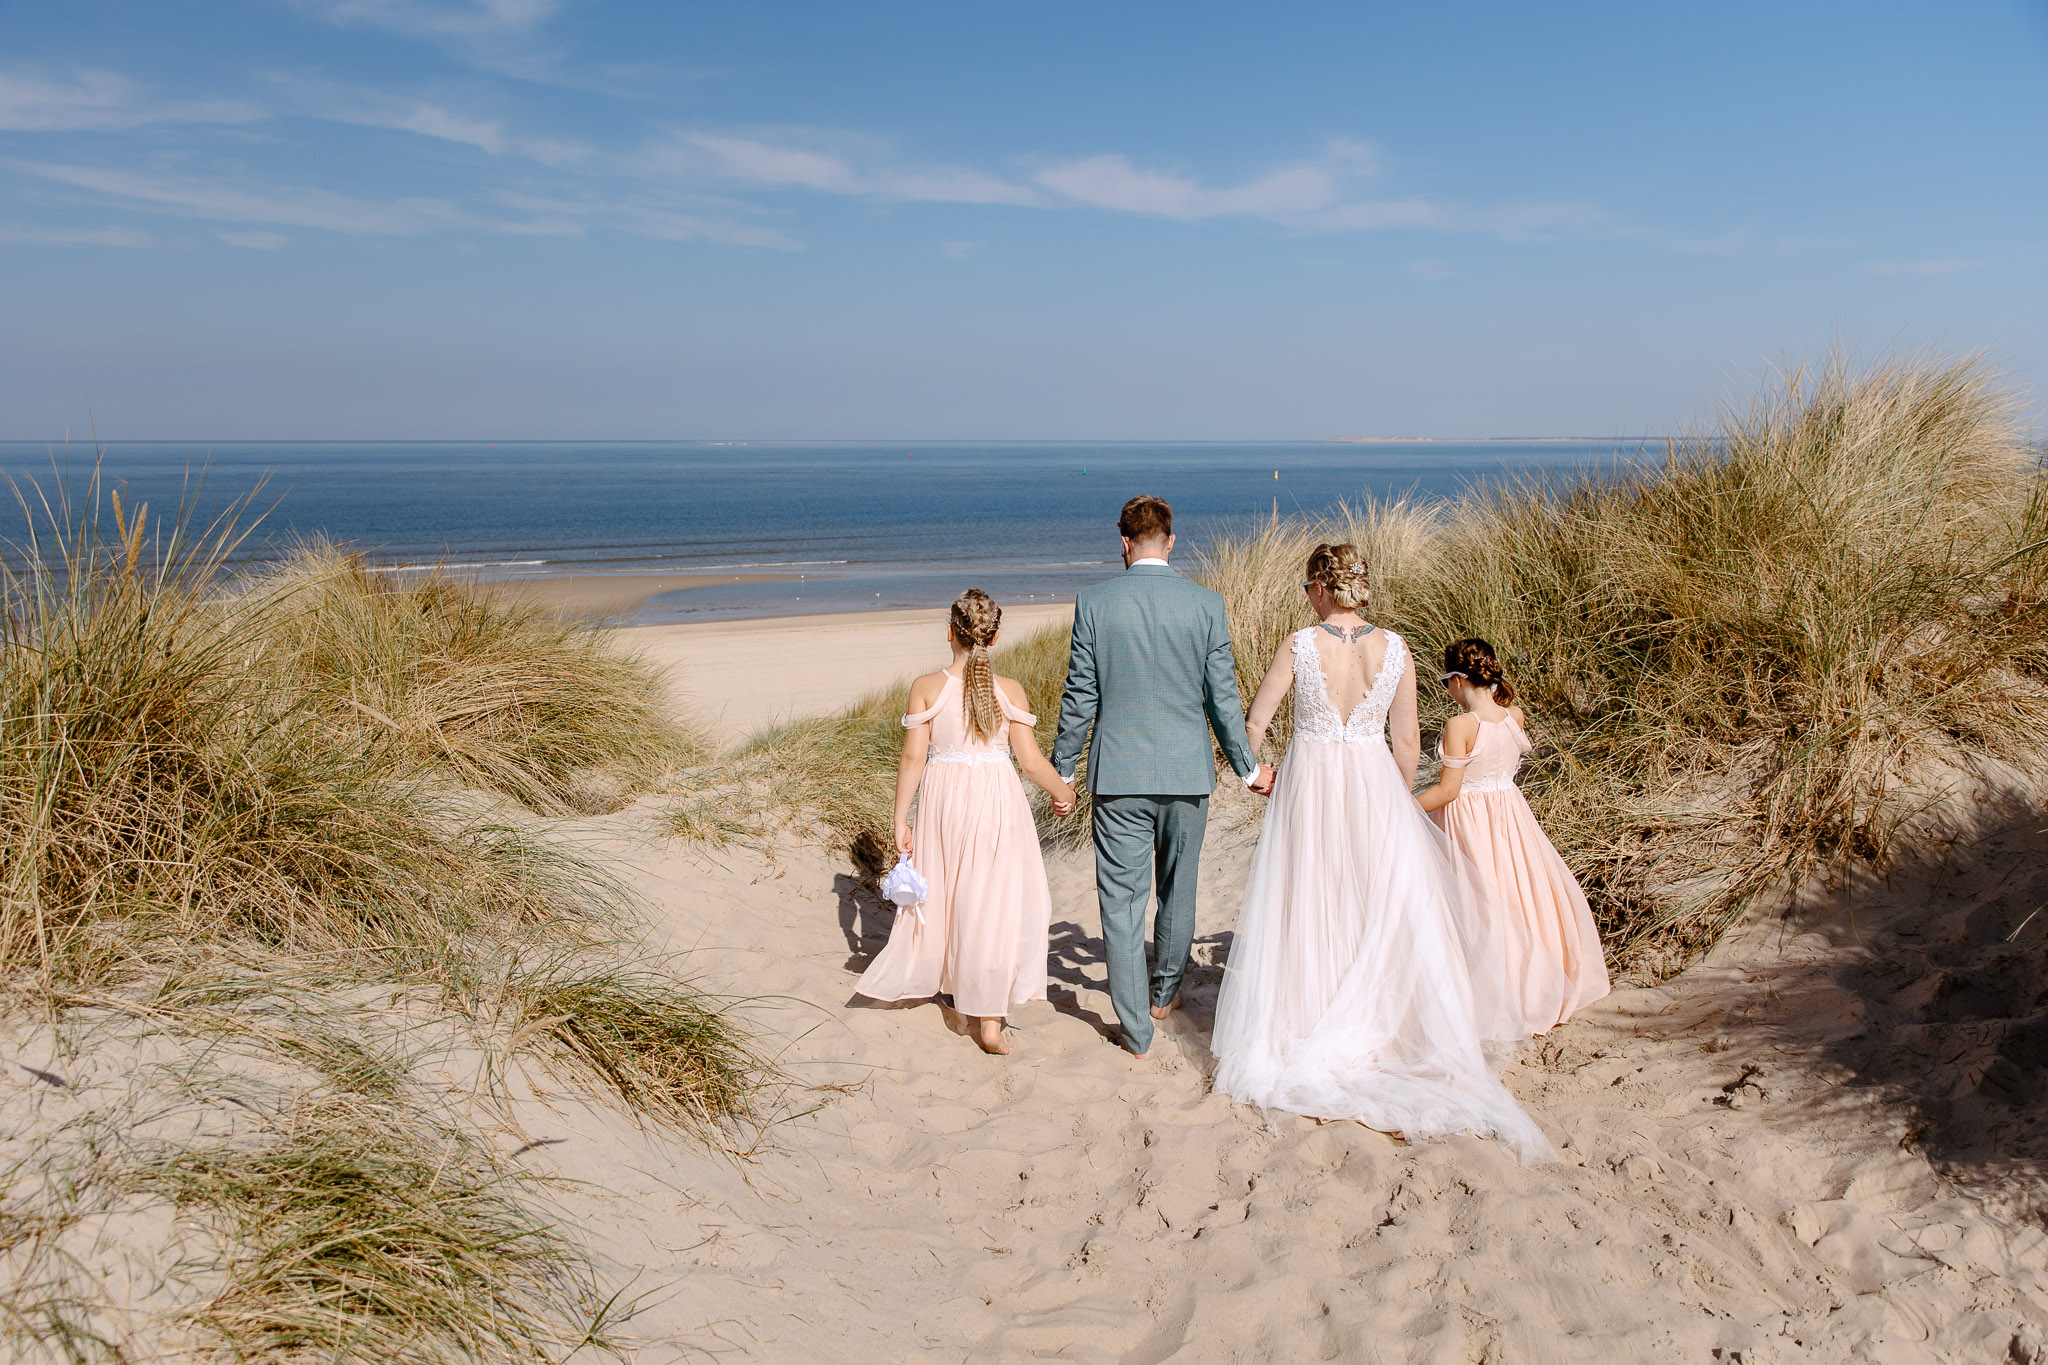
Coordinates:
741 676
1072 1203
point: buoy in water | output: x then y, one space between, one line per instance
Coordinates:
1276 476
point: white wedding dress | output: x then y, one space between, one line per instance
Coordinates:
1366 975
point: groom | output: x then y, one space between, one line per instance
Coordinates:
1151 661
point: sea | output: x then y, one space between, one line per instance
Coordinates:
843 526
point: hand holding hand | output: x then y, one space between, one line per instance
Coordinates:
1064 800
1263 783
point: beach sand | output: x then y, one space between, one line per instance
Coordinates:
1731 1187
613 595
739 677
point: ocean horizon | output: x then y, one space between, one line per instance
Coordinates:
831 526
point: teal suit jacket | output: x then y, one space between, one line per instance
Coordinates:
1151 668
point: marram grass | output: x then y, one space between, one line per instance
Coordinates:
1739 655
220 801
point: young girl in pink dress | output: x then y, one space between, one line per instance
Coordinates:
985 925
1486 816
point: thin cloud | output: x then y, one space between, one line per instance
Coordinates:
110 236
640 217
1317 195
424 118
254 241
1328 192
438 18
959 251
1936 266
90 100
1434 270
308 208
1112 182
758 161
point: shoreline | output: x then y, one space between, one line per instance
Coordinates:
604 595
738 677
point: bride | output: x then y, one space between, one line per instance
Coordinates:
1367 972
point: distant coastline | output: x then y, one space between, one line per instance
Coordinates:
1480 440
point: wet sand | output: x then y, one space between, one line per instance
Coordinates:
613 595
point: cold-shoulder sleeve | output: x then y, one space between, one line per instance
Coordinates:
1454 760
911 722
1012 711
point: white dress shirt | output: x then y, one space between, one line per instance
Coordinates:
1250 777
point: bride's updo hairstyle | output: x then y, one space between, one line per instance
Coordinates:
974 623
1474 661
1341 569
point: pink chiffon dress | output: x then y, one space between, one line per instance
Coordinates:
1490 822
987 921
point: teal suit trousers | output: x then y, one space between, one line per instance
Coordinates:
1139 839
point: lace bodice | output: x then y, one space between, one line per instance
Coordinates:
951 741
1490 767
1315 715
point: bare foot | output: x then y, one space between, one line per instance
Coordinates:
990 1035
1161 1011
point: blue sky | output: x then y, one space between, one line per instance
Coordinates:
364 219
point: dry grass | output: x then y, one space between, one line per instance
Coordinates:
676 1057
502 695
349 1233
1736 656
218 806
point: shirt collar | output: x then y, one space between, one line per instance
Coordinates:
1157 563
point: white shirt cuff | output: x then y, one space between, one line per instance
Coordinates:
1067 778
1250 778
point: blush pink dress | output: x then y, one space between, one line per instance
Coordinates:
1490 822
987 921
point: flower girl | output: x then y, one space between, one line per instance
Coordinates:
1477 803
983 931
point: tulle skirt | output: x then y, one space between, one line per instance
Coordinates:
1368 973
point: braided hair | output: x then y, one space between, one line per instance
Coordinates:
974 623
1475 662
1341 569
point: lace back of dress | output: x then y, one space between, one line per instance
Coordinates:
1315 715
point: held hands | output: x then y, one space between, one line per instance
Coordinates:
1263 783
1063 798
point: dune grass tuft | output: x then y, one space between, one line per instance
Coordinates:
352 1236
503 695
670 1054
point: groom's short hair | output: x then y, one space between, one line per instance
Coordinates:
1146 518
